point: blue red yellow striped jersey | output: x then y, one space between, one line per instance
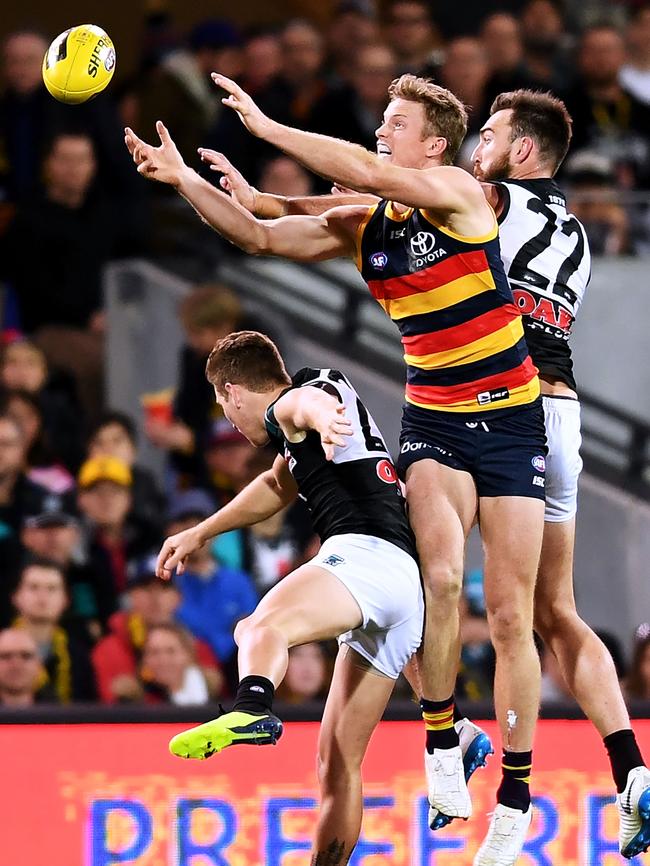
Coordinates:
462 334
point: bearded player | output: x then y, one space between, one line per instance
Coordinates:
546 255
473 426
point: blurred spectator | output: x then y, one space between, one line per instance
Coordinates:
272 548
23 366
307 677
593 198
20 668
476 675
606 117
169 670
262 60
115 435
214 597
207 313
350 29
113 537
42 464
180 92
76 230
285 176
40 599
18 495
544 32
502 39
30 118
56 535
354 110
117 657
637 682
635 73
413 36
465 72
288 98
227 452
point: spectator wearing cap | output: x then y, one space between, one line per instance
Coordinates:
20 668
113 538
56 535
214 597
115 435
40 600
169 672
117 657
227 453
180 91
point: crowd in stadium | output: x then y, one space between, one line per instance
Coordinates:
84 617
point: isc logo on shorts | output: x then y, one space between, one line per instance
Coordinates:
538 481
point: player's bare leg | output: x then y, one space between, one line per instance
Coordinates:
309 604
589 671
355 704
442 507
511 529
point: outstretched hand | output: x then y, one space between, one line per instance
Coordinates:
233 181
333 427
255 121
164 163
174 552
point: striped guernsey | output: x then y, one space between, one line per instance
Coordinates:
462 334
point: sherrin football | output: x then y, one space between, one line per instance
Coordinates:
79 64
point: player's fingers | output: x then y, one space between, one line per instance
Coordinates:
163 556
163 132
224 183
226 83
328 448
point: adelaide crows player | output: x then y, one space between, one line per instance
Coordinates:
363 585
473 426
547 260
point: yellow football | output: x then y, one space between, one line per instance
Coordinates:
79 64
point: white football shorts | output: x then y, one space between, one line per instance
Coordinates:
563 462
385 582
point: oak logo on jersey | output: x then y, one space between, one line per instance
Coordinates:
379 261
544 310
386 472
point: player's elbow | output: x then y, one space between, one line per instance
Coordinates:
257 241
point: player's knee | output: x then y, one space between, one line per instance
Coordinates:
336 770
443 583
242 627
509 624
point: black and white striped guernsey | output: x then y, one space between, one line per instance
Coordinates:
357 491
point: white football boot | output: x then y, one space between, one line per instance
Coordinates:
505 837
446 784
633 806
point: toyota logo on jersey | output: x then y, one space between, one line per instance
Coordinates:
422 243
386 472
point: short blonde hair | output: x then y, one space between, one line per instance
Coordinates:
445 114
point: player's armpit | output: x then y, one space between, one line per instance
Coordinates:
313 238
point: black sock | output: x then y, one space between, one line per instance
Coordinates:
254 695
439 720
624 755
514 789
458 714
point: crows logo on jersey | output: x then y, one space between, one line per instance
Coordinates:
356 491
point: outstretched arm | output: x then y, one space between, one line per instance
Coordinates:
443 188
267 494
310 408
266 205
299 238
